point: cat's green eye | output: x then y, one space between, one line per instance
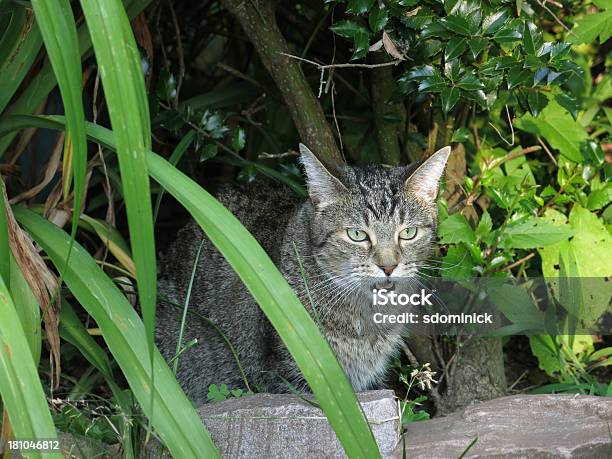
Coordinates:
357 235
408 233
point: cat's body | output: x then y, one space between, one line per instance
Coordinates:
339 269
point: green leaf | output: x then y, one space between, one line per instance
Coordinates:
461 135
57 26
470 10
470 83
532 39
455 229
121 74
238 139
570 103
456 24
5 250
455 48
361 43
73 331
545 350
590 26
434 83
458 262
359 6
495 21
600 198
28 309
19 47
518 75
484 229
533 233
378 18
590 253
510 32
20 387
449 97
559 129
174 417
346 29
477 44
537 101
44 81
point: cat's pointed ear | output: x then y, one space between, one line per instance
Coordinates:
323 187
425 180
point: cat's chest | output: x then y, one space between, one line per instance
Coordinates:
365 359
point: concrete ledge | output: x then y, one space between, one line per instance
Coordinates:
525 426
284 426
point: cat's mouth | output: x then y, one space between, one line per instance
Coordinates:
386 284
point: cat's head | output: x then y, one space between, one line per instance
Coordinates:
373 223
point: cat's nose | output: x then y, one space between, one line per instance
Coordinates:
387 269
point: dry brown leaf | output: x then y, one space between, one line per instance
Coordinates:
41 281
50 171
390 47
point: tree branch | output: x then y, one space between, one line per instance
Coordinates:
258 20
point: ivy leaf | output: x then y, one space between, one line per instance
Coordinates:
361 43
569 103
456 229
537 101
346 29
238 139
532 39
359 6
456 24
471 11
434 83
591 26
378 18
455 48
517 75
449 97
510 32
477 44
559 129
495 21
422 71
470 83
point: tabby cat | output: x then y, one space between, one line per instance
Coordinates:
359 225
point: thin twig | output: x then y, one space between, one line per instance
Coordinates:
180 54
347 65
550 155
555 17
519 262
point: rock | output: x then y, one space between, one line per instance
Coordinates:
526 426
284 426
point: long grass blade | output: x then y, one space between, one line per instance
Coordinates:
124 89
174 417
267 285
44 81
20 386
18 49
5 262
57 26
27 309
